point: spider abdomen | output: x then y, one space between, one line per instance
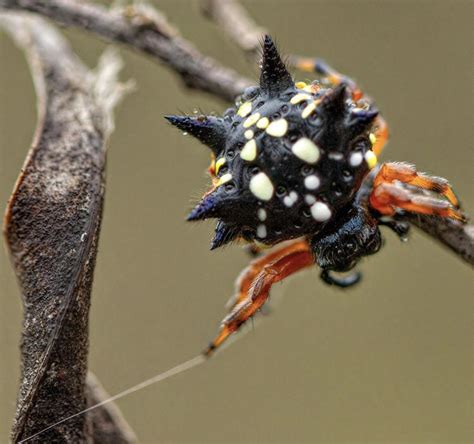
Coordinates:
288 157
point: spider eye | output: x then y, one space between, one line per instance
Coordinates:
280 190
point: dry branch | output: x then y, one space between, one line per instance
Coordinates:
232 17
108 424
52 226
456 236
144 29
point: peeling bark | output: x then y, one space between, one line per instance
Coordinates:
52 227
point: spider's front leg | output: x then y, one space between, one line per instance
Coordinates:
255 282
329 74
400 186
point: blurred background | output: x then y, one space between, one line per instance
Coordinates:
389 361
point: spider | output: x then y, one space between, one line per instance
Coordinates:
295 165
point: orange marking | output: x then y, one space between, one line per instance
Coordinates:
382 135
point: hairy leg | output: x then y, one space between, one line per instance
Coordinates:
406 173
329 74
255 282
390 192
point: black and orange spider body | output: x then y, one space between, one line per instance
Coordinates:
291 162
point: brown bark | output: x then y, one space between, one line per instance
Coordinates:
52 227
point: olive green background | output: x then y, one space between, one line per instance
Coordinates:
390 361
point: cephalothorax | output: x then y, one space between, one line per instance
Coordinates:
297 162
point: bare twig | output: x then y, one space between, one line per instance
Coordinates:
235 20
52 226
455 235
109 426
145 29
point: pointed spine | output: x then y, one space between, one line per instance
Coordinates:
209 130
361 120
274 77
224 234
333 105
213 205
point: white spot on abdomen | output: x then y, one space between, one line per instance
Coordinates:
262 214
309 199
312 182
335 155
261 231
290 199
356 159
249 151
306 150
261 186
320 212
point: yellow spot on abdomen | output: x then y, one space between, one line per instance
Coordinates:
249 151
224 179
219 164
371 159
277 128
244 109
299 98
308 110
251 120
263 123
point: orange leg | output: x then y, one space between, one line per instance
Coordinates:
330 75
407 173
248 275
390 193
255 283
